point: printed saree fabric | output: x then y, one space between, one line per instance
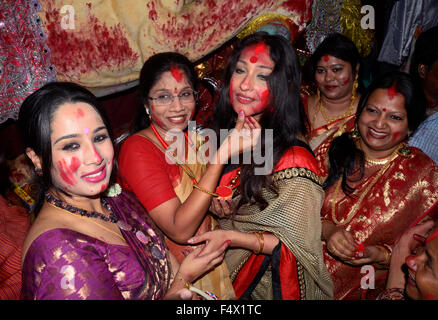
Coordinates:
62 264
295 270
321 138
405 194
167 181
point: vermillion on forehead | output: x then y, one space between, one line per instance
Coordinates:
326 57
79 113
392 92
258 53
176 73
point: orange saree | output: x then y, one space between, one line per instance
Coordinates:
405 194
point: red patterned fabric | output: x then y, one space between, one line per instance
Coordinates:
24 56
14 224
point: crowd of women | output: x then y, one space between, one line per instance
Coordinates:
343 189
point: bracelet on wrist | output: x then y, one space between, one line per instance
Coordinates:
391 294
261 242
387 250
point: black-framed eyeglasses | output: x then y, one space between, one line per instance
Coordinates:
165 99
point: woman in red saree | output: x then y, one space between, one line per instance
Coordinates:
334 68
175 186
276 250
377 186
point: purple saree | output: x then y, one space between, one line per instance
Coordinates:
63 264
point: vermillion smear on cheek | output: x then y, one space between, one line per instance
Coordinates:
65 173
396 135
231 92
392 92
103 187
178 75
157 122
346 81
74 164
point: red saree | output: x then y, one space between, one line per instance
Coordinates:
405 194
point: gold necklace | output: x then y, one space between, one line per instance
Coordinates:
356 206
345 114
88 220
377 162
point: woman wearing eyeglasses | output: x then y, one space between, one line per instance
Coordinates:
172 183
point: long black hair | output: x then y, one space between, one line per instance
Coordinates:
35 118
286 117
151 72
343 153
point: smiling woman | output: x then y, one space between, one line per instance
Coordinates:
176 191
80 233
377 187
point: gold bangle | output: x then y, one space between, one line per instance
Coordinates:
261 241
388 251
205 191
186 283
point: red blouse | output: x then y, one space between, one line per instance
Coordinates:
145 172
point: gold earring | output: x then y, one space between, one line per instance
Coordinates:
355 134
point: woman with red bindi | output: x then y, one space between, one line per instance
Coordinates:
333 69
84 243
377 186
273 217
176 186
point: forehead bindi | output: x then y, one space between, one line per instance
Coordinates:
257 54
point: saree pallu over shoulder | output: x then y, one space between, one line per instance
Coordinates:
403 196
297 270
151 255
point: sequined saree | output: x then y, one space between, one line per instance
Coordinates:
295 270
320 138
405 194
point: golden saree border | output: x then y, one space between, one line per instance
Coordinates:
404 195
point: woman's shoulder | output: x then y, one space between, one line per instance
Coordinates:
416 157
298 156
58 242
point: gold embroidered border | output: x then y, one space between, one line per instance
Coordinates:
290 173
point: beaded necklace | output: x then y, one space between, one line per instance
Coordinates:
82 212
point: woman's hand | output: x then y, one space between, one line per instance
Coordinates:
244 137
222 208
199 261
404 247
341 244
214 240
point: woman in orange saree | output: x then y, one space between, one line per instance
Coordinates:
377 188
331 111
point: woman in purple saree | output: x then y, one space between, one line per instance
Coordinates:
85 244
